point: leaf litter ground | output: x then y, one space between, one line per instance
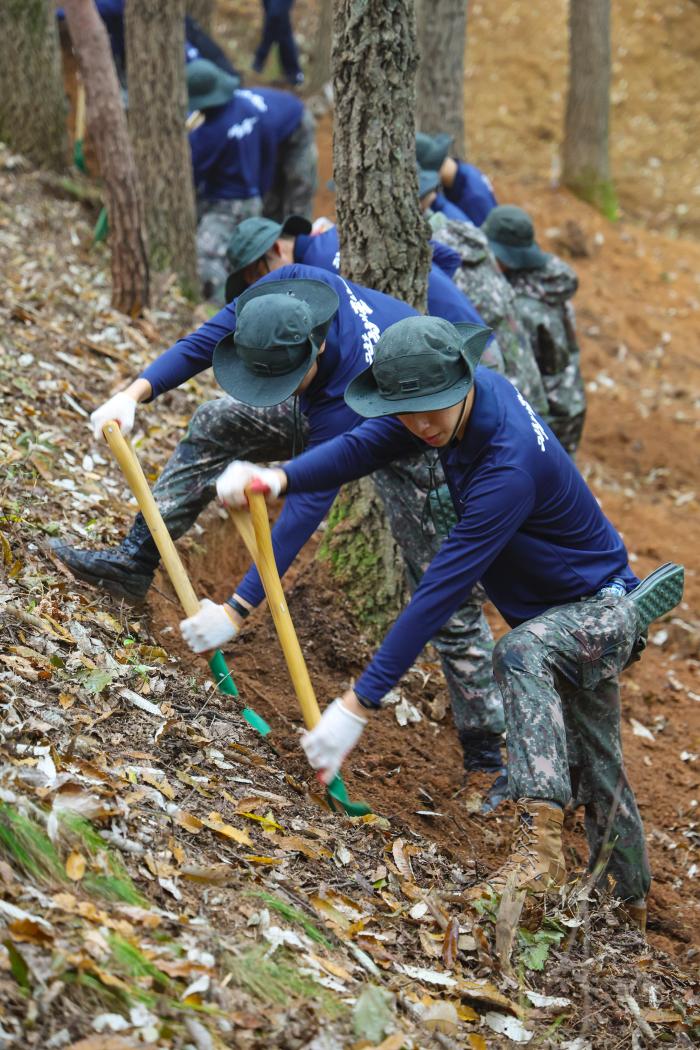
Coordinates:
169 878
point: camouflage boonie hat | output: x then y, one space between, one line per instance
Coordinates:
420 364
427 182
280 327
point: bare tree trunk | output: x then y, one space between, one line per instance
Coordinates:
384 244
585 164
382 233
155 41
202 11
107 124
321 55
32 105
442 39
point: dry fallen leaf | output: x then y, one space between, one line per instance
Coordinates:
75 866
215 822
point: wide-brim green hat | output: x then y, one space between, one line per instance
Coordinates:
251 239
427 182
209 86
280 326
421 364
511 237
431 150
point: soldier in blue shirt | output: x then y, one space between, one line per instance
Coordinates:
227 162
462 184
289 178
530 529
223 429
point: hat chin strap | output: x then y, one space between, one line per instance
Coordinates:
461 417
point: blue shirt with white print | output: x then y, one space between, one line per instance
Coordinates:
280 114
444 297
528 528
362 316
228 152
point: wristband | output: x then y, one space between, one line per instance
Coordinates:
238 607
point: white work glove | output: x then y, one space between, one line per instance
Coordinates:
210 628
121 407
332 739
231 485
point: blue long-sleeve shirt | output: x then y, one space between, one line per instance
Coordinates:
471 192
362 316
528 528
280 114
445 299
448 209
228 152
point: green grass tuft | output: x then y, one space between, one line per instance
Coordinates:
277 980
292 914
27 847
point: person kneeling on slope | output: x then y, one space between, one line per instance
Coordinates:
532 531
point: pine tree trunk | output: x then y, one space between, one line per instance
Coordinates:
321 54
585 164
32 105
202 11
155 41
107 123
442 39
382 233
384 245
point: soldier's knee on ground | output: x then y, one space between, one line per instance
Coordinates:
206 420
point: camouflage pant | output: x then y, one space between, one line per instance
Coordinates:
292 192
566 399
225 429
558 674
217 222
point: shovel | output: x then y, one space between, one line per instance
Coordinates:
258 541
136 479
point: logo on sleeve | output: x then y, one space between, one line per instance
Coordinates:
539 430
239 131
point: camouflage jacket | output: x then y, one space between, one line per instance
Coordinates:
480 279
542 301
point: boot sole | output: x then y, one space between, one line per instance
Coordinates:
113 587
660 592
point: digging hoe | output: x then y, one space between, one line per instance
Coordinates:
136 479
254 530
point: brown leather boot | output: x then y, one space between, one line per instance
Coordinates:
536 858
635 914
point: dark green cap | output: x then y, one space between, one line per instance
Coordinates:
251 239
427 182
511 237
420 364
207 85
280 326
431 150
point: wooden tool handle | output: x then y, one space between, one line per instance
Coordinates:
241 519
131 468
80 113
267 567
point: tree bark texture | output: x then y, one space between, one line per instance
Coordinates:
155 41
585 164
107 124
202 11
364 557
442 39
32 104
383 236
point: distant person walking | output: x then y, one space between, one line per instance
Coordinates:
277 29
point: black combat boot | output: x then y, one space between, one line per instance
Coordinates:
125 571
